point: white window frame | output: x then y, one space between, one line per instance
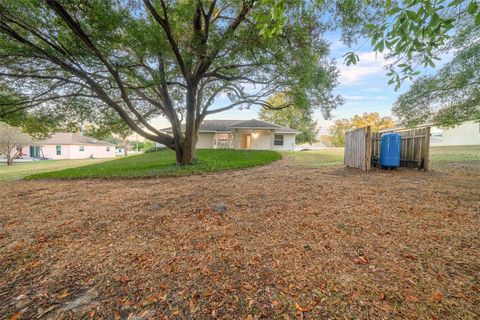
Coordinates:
276 140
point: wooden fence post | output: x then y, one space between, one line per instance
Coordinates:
426 152
368 149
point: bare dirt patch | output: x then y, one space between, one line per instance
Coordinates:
273 242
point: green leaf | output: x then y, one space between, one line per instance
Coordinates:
477 19
379 46
455 3
412 15
435 21
472 7
394 10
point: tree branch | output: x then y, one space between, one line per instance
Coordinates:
164 23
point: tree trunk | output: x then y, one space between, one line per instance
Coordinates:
125 152
188 154
9 154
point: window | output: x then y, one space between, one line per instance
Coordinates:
81 148
35 151
278 141
108 149
59 150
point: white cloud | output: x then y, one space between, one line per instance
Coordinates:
353 97
338 46
370 64
350 98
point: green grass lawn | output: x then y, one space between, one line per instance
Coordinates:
162 163
455 154
439 156
19 170
318 158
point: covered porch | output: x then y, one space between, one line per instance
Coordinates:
255 139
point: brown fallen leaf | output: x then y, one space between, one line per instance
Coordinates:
411 298
300 308
437 296
381 296
192 306
355 295
34 264
16 316
360 260
65 293
163 286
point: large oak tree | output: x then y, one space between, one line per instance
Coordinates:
147 59
138 60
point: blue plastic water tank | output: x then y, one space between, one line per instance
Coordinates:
390 150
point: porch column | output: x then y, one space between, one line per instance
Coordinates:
272 138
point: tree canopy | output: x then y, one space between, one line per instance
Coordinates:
451 95
147 59
413 33
139 60
374 120
291 117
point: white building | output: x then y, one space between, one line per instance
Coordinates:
240 134
66 145
466 134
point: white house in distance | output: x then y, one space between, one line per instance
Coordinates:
466 134
243 134
66 145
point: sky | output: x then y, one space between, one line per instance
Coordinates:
363 86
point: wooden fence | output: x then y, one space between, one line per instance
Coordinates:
414 147
358 149
414 152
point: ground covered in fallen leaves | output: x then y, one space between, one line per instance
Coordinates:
279 241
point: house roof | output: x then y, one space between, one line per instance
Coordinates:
228 125
60 138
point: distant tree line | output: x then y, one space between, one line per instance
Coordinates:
374 120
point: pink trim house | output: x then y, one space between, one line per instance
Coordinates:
66 145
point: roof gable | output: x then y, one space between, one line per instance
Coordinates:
254 123
61 138
228 125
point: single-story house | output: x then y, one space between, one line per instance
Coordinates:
465 134
66 145
243 134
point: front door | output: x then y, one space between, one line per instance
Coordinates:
246 141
